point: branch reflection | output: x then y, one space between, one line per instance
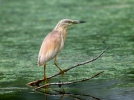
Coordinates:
61 94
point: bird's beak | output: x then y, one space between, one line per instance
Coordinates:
78 21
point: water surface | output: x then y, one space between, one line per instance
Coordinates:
23 26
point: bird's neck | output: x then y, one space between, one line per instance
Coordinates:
62 30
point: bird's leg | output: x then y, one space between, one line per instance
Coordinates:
61 71
45 78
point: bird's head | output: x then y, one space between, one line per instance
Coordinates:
64 23
68 22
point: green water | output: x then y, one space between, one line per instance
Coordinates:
25 23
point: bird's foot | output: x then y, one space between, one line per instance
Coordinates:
62 72
45 80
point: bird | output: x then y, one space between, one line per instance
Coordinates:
53 43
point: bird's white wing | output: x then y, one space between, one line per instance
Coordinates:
50 47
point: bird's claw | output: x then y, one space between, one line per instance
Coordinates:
45 80
62 72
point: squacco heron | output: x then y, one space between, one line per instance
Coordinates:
54 42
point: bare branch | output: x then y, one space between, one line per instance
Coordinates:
36 83
67 83
79 64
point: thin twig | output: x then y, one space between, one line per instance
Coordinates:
36 83
67 83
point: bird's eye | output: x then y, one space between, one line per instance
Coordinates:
69 22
